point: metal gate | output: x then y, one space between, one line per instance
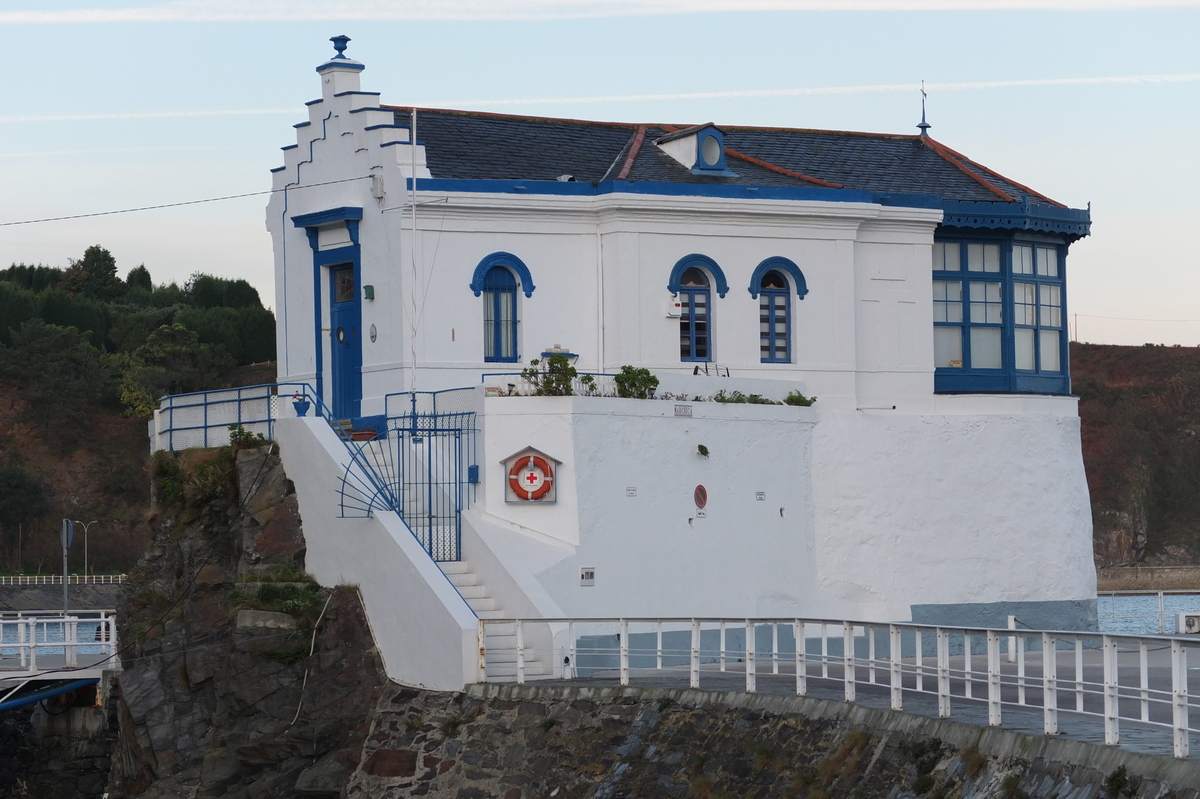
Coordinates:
435 454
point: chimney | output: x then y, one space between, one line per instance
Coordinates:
339 74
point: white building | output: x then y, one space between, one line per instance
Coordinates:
917 294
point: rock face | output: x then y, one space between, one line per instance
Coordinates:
509 742
220 695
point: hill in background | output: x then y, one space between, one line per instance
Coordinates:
84 358
1140 409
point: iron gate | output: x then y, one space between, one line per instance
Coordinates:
435 454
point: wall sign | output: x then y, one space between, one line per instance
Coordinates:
701 496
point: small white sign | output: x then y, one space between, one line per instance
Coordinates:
631 491
587 576
701 513
761 496
683 410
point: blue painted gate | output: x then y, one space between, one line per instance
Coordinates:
345 333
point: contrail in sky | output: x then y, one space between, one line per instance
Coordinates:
350 10
641 98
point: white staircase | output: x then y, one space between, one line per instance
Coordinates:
501 641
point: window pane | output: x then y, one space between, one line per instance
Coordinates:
983 257
1025 304
947 347
946 256
1051 305
1050 341
508 318
1022 258
947 301
985 348
343 282
1047 261
1023 341
986 307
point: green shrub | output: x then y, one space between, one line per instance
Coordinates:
635 383
798 398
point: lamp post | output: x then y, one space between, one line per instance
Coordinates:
85 545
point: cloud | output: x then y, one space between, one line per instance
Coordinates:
637 98
351 10
886 87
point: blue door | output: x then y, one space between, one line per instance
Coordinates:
345 329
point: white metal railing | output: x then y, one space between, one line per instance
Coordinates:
1134 612
56 579
1115 678
29 636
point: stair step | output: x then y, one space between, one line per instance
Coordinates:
460 580
490 614
454 567
470 592
482 603
508 628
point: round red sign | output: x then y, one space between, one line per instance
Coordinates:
701 496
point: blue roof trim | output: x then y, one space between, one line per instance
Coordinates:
784 265
371 108
397 141
289 147
930 201
315 102
702 261
301 125
506 259
279 169
347 94
378 127
347 64
327 217
1074 222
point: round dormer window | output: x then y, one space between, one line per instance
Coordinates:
710 151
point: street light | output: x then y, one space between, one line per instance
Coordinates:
85 547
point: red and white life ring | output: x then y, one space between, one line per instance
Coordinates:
531 477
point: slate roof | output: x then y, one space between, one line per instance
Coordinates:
484 146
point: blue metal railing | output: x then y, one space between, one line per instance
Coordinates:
421 465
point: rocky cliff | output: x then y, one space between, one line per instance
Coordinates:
245 678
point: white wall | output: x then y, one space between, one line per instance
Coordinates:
425 631
880 511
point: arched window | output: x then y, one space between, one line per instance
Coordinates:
499 315
774 319
694 319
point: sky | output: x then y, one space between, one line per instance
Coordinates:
115 105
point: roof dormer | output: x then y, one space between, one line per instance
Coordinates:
700 148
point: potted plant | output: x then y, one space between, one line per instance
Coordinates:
300 404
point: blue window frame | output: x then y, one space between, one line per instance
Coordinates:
499 316
998 310
774 319
695 319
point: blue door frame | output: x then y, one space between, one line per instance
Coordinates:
345 340
345 397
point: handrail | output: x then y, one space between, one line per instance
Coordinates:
1094 674
22 637
56 579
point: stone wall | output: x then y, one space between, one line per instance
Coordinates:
529 742
1148 578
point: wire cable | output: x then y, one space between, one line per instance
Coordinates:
176 205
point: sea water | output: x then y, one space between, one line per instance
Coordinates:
1137 614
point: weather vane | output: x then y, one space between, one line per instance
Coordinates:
924 126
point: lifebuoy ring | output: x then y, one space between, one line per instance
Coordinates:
531 477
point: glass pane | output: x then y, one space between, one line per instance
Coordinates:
1022 260
343 281
947 347
983 257
947 301
1051 305
693 277
507 322
1024 304
1047 261
946 256
986 307
1023 341
773 280
1049 341
985 348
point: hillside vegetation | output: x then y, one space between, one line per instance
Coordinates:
84 357
1140 408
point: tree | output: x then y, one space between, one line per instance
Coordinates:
172 361
17 305
22 499
95 274
60 376
139 278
